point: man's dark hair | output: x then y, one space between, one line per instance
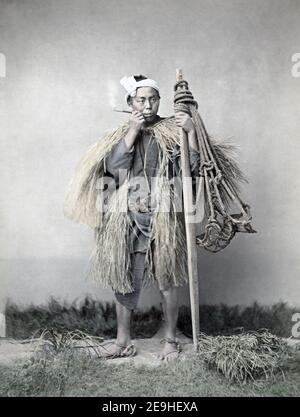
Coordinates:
139 77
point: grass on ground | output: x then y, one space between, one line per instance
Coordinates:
73 373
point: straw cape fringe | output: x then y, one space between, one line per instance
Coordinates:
166 260
110 260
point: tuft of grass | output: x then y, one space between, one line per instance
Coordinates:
52 340
245 356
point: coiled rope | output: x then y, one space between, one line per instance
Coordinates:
221 226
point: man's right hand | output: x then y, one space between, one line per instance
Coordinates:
136 121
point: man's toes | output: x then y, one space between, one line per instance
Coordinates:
172 356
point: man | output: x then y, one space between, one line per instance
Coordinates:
142 158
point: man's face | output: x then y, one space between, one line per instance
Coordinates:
146 101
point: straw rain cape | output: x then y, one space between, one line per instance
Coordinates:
166 258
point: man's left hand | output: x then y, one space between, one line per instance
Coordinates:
184 121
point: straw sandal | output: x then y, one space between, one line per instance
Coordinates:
175 344
123 352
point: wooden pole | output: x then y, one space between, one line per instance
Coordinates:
190 227
2 325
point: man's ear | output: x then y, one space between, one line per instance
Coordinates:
129 101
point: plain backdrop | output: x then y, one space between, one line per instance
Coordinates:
64 60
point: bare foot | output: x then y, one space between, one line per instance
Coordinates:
170 351
111 349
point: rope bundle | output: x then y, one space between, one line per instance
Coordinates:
220 189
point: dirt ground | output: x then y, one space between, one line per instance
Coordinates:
12 350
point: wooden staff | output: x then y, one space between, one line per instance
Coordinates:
190 228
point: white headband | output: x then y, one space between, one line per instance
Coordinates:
131 85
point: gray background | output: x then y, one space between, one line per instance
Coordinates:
64 60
